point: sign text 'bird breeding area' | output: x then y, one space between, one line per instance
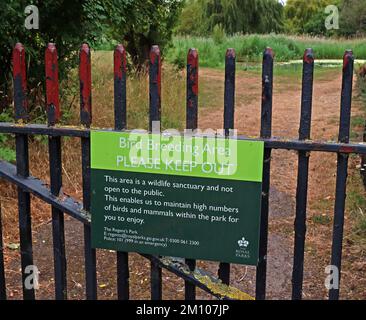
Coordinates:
176 195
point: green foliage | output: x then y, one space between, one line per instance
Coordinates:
199 17
65 22
352 20
249 48
7 152
191 20
218 34
68 23
307 16
321 219
140 24
246 16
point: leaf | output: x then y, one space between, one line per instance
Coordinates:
13 246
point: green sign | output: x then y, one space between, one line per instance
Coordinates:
173 195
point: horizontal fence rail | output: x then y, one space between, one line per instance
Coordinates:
273 142
186 269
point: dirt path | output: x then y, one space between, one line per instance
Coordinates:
286 111
286 115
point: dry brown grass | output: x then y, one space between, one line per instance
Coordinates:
173 116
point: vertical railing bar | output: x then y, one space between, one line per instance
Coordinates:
229 92
342 166
154 116
156 282
266 132
229 109
154 86
2 267
120 111
302 175
55 163
22 164
86 119
120 97
192 90
191 124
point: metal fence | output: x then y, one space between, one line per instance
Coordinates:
26 184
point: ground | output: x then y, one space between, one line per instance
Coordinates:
286 109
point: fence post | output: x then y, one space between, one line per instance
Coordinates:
155 106
20 83
120 109
191 124
52 85
302 175
363 159
120 124
86 118
85 85
2 267
229 108
192 90
154 85
229 94
342 165
54 147
22 164
266 132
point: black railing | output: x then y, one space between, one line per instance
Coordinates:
217 286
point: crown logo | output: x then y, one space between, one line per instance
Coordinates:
243 243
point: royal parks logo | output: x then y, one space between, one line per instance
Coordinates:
243 251
243 243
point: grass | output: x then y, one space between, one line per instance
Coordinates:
173 96
356 194
7 152
249 48
356 206
321 219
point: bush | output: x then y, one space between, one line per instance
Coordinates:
64 22
249 48
218 34
7 152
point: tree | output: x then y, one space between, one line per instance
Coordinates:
191 20
353 18
64 22
140 24
68 23
235 16
245 16
307 16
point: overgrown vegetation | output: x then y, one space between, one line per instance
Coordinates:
200 17
250 48
139 24
307 17
64 22
136 23
7 152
